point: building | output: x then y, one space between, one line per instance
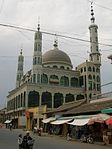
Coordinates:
110 57
52 81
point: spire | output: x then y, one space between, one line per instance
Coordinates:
19 69
21 51
55 42
92 14
38 24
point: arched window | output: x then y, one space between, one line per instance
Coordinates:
21 99
55 66
18 101
47 99
34 78
81 70
62 67
39 47
93 69
94 77
89 68
24 100
74 82
98 79
34 61
38 78
44 79
35 46
84 69
79 97
64 81
97 70
69 97
33 99
58 100
90 85
90 77
53 79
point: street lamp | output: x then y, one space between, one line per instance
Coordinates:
110 57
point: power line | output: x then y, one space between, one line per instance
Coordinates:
53 34
95 3
106 84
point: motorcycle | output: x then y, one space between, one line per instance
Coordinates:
87 138
31 143
90 139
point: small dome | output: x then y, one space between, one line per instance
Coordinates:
56 56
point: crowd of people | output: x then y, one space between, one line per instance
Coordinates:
25 142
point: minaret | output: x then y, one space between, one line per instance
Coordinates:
95 56
20 69
37 56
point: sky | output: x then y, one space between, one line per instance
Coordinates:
69 18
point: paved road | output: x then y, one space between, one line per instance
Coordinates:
8 140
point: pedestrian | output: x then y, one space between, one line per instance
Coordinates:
27 142
10 126
20 140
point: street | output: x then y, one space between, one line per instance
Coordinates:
8 140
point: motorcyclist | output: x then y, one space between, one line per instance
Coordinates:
27 141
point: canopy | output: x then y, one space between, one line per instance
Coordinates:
8 121
99 118
108 110
109 121
89 119
47 120
60 121
80 122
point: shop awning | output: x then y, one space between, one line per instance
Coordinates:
80 122
8 121
99 118
60 121
109 121
108 110
47 120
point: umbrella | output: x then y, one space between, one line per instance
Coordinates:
109 121
99 118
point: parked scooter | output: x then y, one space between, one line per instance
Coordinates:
87 138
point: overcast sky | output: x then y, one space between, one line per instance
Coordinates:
65 17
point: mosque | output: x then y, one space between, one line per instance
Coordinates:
52 81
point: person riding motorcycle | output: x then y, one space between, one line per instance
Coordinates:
27 141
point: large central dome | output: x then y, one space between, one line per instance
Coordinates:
56 56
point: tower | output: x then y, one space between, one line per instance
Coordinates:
19 69
94 56
37 56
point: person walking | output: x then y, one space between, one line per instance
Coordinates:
20 140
